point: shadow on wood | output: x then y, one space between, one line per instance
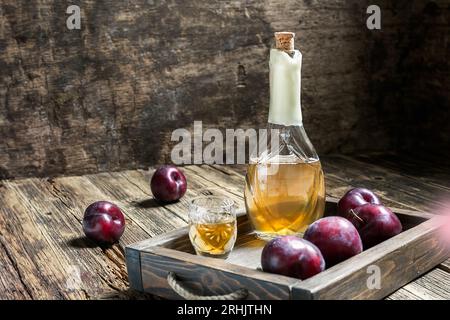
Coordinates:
147 203
81 243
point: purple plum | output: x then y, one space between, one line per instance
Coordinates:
103 222
336 238
292 256
354 198
375 223
168 184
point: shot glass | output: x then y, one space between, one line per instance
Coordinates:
212 226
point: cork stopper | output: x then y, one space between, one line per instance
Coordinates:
284 41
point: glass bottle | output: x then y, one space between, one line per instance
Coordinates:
285 188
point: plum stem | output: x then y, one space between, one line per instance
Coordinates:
355 215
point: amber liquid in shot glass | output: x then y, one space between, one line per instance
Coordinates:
212 226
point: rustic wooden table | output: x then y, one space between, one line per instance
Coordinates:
43 254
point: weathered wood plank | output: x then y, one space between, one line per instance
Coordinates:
402 294
343 172
11 285
196 186
55 260
77 193
37 254
435 285
215 180
152 217
426 169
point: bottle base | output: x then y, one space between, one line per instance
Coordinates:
267 236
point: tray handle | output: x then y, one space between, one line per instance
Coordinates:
187 294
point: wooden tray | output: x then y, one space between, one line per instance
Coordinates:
399 259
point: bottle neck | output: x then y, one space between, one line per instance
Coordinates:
285 85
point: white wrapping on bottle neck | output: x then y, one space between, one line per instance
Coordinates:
285 85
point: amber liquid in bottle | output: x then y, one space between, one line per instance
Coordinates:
287 200
285 188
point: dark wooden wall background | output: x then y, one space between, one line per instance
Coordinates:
107 97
